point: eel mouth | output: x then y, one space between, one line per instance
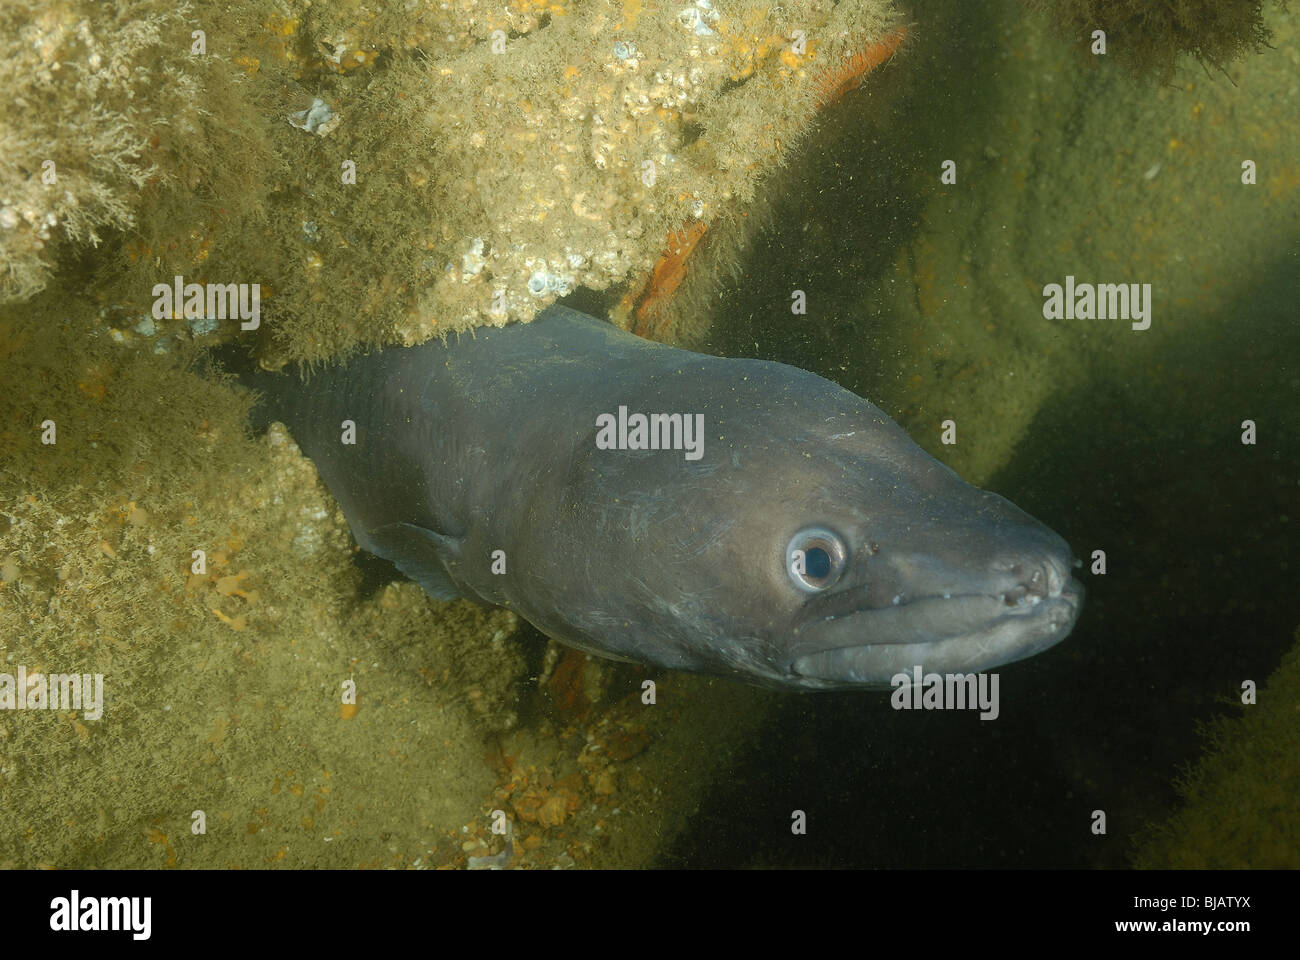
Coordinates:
966 633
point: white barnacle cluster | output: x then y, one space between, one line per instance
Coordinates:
676 88
472 261
319 118
543 279
699 18
40 223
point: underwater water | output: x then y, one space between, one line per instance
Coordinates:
318 709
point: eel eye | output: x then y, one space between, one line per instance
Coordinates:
815 559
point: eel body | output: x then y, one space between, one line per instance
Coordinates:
730 516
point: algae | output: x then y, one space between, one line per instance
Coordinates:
1149 36
86 93
478 162
1241 801
222 685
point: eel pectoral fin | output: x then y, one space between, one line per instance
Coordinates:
420 553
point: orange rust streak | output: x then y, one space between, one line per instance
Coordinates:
840 81
667 275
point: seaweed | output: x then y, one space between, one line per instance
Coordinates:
1149 36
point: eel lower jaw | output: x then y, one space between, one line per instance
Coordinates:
961 634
